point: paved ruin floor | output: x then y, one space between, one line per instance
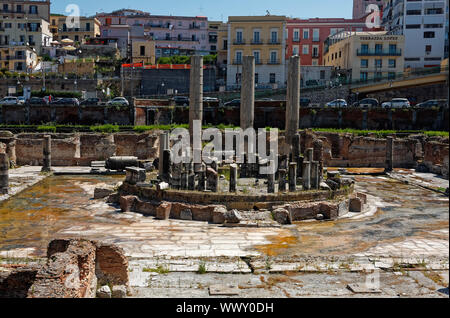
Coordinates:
391 284
406 227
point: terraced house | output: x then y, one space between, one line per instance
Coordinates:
18 58
262 37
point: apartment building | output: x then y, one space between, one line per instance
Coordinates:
260 36
18 59
360 7
25 23
424 25
19 9
173 32
305 37
86 29
365 55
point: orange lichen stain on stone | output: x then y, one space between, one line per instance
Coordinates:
278 245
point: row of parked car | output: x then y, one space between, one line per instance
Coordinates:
394 103
47 100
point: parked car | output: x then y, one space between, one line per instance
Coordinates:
234 102
181 100
37 101
266 99
118 101
90 101
21 100
439 103
367 103
210 99
337 103
66 101
304 102
9 100
397 103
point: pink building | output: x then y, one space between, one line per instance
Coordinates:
174 32
360 6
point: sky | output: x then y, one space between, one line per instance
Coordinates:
216 9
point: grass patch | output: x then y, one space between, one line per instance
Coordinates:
159 269
201 268
105 129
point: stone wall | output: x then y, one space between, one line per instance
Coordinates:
79 149
435 157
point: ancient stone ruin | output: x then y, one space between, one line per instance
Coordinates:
75 268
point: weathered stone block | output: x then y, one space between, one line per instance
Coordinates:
145 208
163 211
135 175
343 208
127 203
362 196
282 216
233 217
119 291
305 211
104 292
186 215
219 214
202 213
329 210
100 193
356 204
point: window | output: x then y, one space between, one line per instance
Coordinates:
306 34
315 51
434 11
273 78
256 37
257 56
305 49
238 57
428 49
391 75
392 63
77 38
239 37
322 75
378 75
88 27
378 63
333 31
363 76
273 57
225 44
364 63
378 48
238 78
142 50
33 9
413 12
413 26
295 50
428 35
392 48
296 35
316 35
256 78
274 37
19 8
364 48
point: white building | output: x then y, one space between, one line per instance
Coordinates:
423 23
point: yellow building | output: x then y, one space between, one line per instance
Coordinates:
18 59
365 55
262 37
88 28
144 52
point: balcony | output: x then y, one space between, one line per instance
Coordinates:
378 53
257 42
237 62
258 62
274 42
297 40
273 62
75 30
193 26
239 42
